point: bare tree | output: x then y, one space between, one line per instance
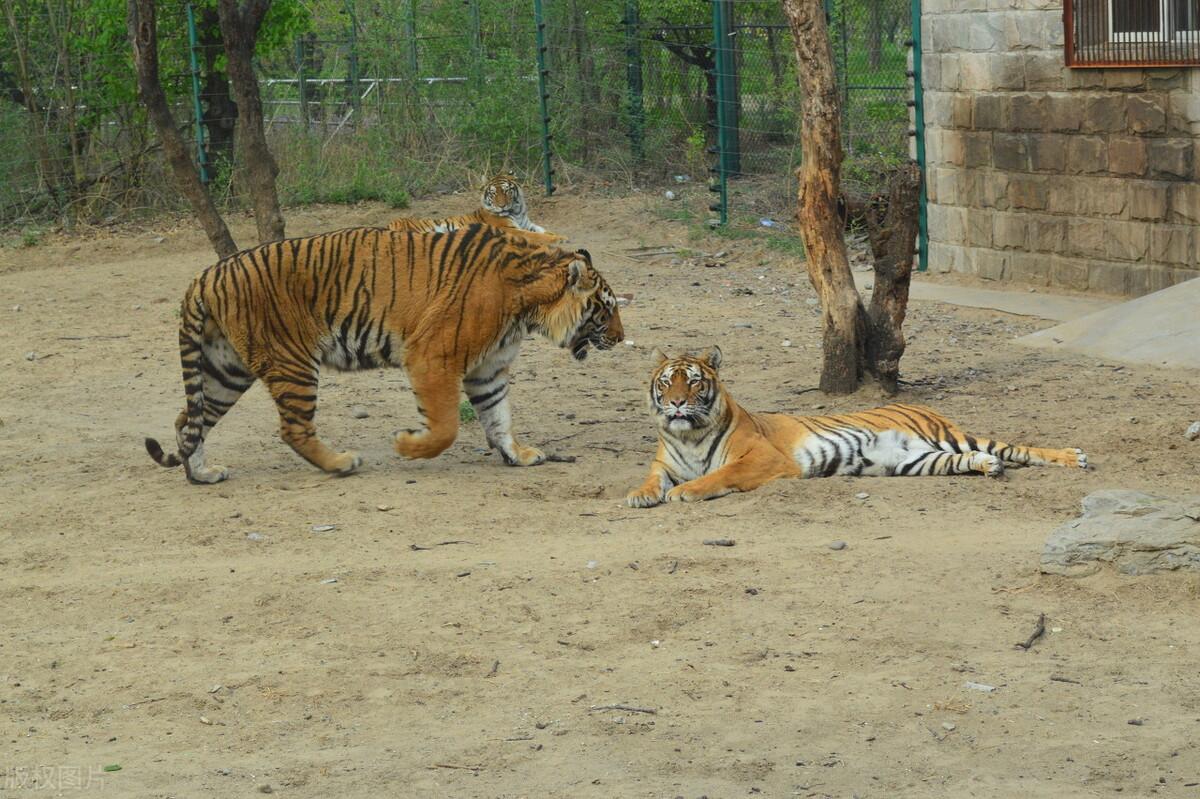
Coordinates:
820 186
239 29
854 339
143 33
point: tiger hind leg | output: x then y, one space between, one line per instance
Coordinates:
487 389
1029 456
226 379
932 462
295 398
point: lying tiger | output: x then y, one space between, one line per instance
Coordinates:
709 446
450 308
503 206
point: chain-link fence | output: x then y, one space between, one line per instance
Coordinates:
380 101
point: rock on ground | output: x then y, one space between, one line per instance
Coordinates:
1136 533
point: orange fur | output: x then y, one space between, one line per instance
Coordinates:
502 205
450 308
709 446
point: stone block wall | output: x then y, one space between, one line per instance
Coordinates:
1081 178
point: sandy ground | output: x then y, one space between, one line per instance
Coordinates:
195 636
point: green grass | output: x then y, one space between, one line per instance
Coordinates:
466 412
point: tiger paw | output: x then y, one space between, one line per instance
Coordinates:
208 475
523 456
1080 459
420 444
681 493
990 465
641 498
345 463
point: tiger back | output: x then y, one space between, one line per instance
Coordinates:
710 446
502 205
450 308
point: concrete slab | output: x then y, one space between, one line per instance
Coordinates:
1022 303
1162 329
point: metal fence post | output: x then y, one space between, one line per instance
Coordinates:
302 81
352 61
411 25
633 61
720 71
918 133
193 46
543 96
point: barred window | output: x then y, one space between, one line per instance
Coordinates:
1118 33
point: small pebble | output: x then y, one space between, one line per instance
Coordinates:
861 495
383 507
719 542
978 686
255 537
265 789
329 581
742 326
838 545
323 528
31 356
787 342
1193 432
16 307
670 195
656 643
591 564
1136 722
947 726
359 412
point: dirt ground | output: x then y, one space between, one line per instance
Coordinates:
459 630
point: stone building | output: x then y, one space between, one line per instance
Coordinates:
1077 177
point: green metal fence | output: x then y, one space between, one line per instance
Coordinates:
415 95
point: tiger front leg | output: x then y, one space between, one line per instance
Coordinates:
437 402
487 389
747 473
653 490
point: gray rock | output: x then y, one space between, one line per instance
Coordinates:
359 412
1134 532
1193 432
837 545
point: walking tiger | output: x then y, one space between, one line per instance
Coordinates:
450 308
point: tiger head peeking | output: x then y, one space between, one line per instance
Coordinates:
686 395
586 314
503 196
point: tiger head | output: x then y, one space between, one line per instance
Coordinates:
586 313
503 196
686 395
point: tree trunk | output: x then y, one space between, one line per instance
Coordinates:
875 34
143 34
220 111
820 184
239 28
893 239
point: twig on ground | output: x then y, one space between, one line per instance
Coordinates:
419 548
1038 631
674 567
84 338
626 708
495 668
719 542
1058 678
455 765
144 702
560 459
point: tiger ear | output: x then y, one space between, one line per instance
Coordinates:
659 357
578 275
712 357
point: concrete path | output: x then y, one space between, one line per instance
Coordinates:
1162 329
1023 303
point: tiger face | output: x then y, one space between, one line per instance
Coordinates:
686 393
503 196
599 322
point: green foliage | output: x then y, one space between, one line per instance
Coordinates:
466 412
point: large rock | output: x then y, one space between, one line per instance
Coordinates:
1136 533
